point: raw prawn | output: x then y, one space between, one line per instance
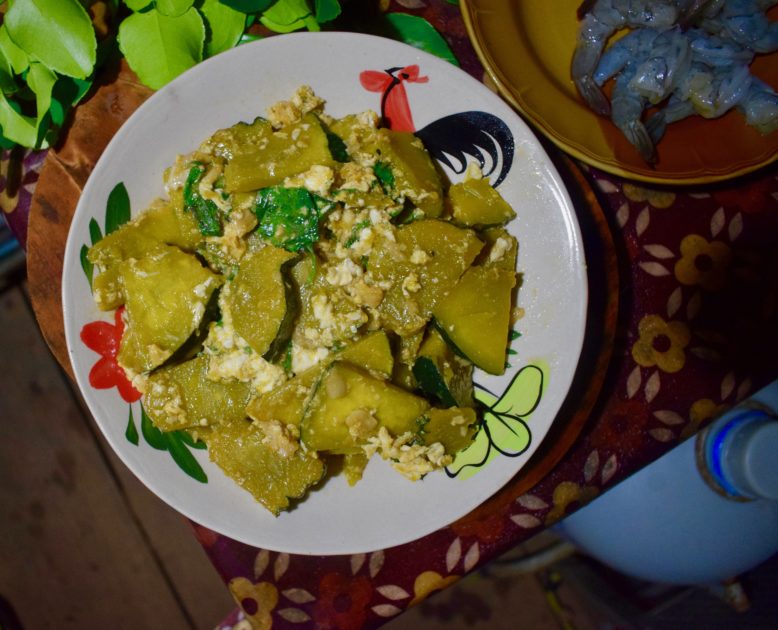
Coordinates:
745 22
626 113
602 18
707 91
648 64
760 107
712 91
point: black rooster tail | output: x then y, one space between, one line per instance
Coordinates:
476 134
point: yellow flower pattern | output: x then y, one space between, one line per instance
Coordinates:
567 493
703 263
256 600
700 412
428 582
654 197
661 344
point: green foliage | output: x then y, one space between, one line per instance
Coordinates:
286 16
248 6
159 47
58 33
224 26
173 8
49 50
420 33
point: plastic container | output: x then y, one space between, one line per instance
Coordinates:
703 513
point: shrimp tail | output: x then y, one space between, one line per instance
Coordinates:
656 126
637 134
593 95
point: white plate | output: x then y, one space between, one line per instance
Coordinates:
384 509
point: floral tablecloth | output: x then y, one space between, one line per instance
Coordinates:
697 332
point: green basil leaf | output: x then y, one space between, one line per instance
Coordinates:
420 33
248 6
225 26
205 211
173 8
184 458
384 174
117 209
16 56
131 433
152 435
87 266
58 33
337 147
293 209
159 48
327 10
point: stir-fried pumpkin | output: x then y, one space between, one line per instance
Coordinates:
313 292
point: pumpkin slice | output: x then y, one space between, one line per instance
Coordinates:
475 316
167 292
181 396
475 202
239 448
422 266
349 406
454 427
278 155
261 301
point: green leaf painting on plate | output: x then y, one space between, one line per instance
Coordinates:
183 457
504 429
131 433
174 442
153 436
117 211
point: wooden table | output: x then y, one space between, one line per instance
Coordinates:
682 325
